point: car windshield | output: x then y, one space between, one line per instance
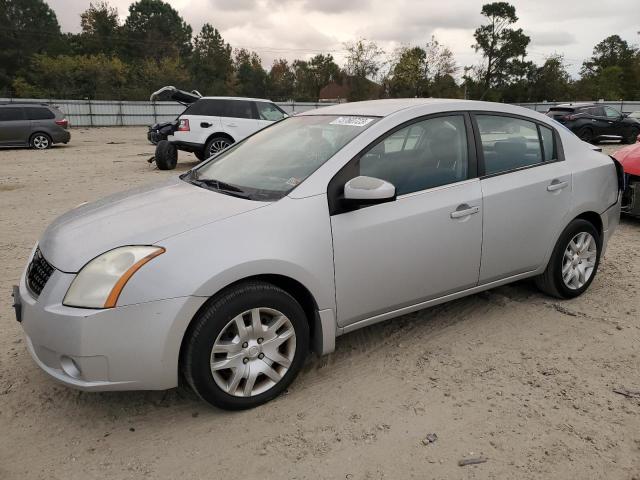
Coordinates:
271 163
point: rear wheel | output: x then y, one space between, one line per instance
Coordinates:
246 347
166 155
199 155
40 141
586 135
574 262
216 145
633 135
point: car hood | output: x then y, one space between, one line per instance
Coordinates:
143 216
629 157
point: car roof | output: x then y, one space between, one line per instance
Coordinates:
574 105
26 104
386 107
237 98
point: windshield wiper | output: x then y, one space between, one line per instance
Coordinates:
221 186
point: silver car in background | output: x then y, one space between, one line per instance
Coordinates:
321 224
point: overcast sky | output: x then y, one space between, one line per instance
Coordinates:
301 28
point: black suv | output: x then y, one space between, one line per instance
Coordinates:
593 122
32 124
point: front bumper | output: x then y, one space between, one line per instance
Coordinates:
134 347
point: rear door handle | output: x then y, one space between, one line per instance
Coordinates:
206 124
464 211
556 185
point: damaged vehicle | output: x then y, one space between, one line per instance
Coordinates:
629 157
160 131
211 124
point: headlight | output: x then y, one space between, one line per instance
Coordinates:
99 282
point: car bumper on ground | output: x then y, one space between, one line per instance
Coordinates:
134 347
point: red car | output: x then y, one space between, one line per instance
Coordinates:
629 157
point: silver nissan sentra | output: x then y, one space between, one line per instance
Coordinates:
326 222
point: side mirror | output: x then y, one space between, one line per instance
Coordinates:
368 191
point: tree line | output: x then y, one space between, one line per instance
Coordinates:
154 47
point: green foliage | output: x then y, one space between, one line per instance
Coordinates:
154 47
250 78
211 62
501 47
154 29
27 27
281 81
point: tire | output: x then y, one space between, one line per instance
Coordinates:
552 282
586 135
633 136
40 141
166 155
215 145
199 155
244 383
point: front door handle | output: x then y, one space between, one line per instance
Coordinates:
464 210
231 125
556 185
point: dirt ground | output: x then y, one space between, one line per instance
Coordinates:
511 375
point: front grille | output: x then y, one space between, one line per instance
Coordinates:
38 273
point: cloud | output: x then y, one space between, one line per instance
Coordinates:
300 28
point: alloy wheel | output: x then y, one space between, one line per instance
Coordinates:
217 146
40 142
579 260
253 352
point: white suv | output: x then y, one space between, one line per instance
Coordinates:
211 124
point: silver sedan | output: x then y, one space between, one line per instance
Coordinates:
326 222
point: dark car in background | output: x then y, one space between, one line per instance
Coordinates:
595 122
32 125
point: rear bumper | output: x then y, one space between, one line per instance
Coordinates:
610 222
134 347
61 137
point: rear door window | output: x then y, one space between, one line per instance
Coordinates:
508 143
8 114
237 109
611 112
39 113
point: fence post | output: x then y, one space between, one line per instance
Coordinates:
90 113
121 113
155 113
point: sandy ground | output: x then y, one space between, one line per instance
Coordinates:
521 379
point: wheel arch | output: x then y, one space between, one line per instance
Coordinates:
40 132
317 334
218 134
593 218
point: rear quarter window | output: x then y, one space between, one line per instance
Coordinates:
39 113
206 107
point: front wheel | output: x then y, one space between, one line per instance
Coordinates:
574 262
246 347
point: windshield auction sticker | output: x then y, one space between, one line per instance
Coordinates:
352 121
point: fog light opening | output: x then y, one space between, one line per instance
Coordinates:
70 367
